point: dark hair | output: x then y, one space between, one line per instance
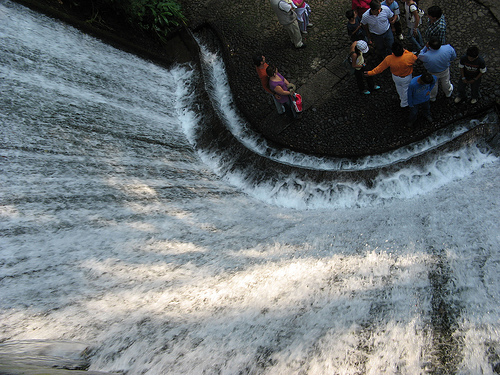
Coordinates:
434 42
435 11
397 49
349 14
270 70
257 59
473 51
427 78
375 5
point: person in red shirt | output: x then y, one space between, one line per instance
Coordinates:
360 6
260 66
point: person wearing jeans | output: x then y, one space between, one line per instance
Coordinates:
472 67
377 24
419 95
413 20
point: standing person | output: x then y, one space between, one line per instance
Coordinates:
360 6
437 24
397 30
354 28
401 65
303 11
413 21
419 94
260 66
279 85
437 59
358 63
288 19
377 25
472 67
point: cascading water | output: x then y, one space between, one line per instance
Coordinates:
118 233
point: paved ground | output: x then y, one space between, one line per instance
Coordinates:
337 119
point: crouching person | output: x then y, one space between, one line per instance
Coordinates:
419 95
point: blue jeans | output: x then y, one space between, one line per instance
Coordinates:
425 107
383 42
417 40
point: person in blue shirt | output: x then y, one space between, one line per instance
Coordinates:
396 24
419 94
437 59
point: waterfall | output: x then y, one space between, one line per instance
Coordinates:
119 232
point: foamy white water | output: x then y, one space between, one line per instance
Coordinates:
116 232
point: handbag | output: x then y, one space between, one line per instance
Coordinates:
297 102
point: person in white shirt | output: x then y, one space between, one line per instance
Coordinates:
377 24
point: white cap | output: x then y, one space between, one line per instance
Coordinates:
362 46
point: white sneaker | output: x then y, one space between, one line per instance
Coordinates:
400 37
458 99
451 91
473 101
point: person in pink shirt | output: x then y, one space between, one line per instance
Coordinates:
303 11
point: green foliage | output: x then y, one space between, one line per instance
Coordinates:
159 16
152 16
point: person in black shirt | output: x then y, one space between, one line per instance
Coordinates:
472 67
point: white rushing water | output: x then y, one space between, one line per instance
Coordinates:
117 233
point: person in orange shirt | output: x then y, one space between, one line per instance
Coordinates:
400 63
260 67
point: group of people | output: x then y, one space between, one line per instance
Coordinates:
378 26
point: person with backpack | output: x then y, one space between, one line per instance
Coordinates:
413 21
397 30
358 64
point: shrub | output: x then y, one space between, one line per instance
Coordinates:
152 16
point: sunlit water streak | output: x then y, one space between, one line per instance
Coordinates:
117 233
